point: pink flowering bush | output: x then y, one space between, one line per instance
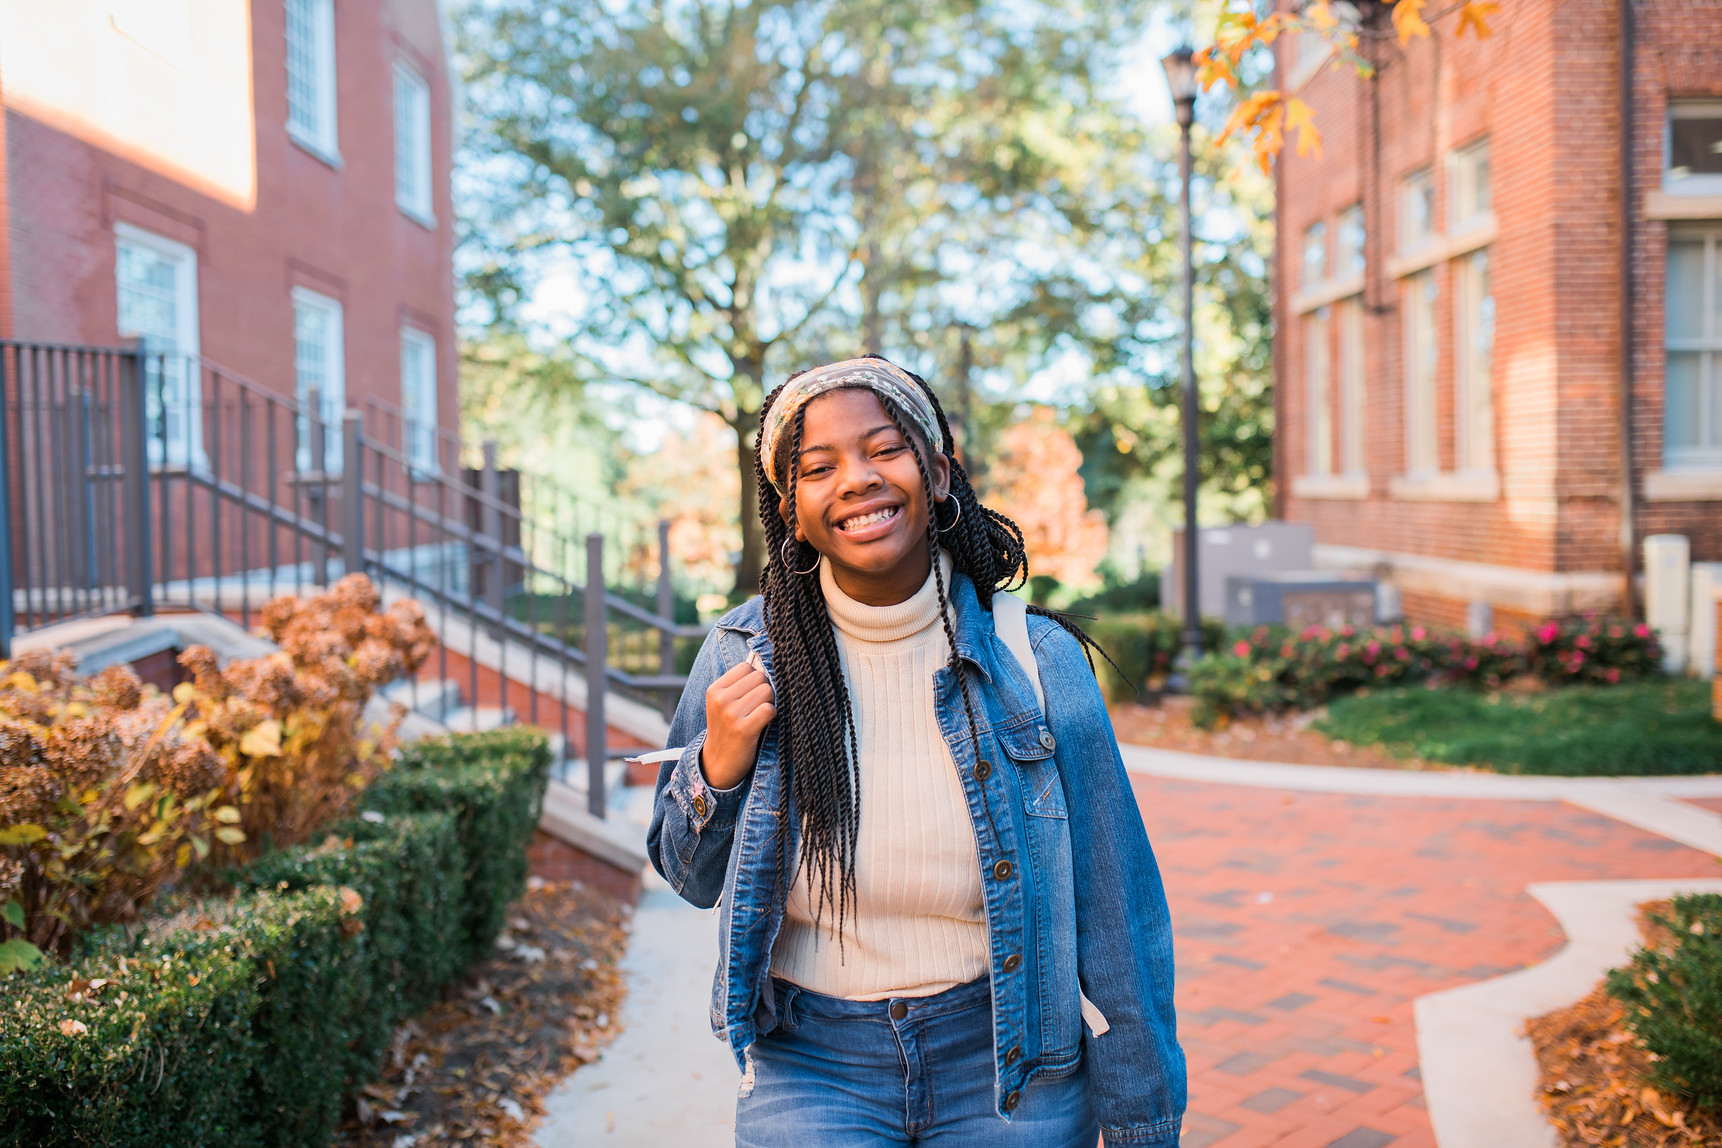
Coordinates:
1272 669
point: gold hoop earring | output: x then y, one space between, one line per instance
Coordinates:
789 562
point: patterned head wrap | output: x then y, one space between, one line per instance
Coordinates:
885 379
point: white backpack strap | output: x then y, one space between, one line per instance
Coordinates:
1010 622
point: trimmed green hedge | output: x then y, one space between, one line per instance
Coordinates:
1144 646
1674 1000
247 1021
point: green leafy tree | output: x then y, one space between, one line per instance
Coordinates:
743 190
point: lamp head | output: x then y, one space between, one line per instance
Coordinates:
1181 82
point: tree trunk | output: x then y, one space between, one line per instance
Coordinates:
751 563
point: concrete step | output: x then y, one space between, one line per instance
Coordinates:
572 775
476 719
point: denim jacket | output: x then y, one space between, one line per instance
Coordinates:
1079 912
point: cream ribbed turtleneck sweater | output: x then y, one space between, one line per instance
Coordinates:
917 925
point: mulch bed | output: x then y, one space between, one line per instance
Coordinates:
1283 738
475 1068
1594 1076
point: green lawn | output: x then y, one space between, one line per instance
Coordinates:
1647 728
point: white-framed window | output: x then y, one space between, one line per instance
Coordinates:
413 144
319 363
1421 350
1468 175
1351 387
1418 224
1350 237
418 398
1692 383
311 76
1318 384
1314 254
1692 162
156 288
1474 344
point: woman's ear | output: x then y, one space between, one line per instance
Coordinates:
940 473
789 519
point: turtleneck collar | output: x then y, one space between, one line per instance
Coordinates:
884 623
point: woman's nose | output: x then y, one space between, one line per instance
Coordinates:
858 476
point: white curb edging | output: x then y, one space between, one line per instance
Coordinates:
1479 1069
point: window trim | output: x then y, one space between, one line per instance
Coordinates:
423 209
1351 371
187 340
1343 220
412 420
1315 234
1457 159
326 146
334 397
1701 460
1475 441
1421 440
1318 393
1409 243
1709 184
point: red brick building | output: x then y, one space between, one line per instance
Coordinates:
264 183
1474 401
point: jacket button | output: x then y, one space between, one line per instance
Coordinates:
700 805
1047 740
1012 963
983 769
1012 1101
899 1010
1014 1055
1002 870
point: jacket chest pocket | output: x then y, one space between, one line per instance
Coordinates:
1029 747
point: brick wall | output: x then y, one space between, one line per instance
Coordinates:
1543 91
334 230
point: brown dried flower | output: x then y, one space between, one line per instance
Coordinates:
116 688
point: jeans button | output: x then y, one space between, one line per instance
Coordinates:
700 806
1012 1101
983 769
1014 1055
1012 963
899 1010
1047 740
1002 870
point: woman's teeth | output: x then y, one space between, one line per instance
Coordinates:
856 523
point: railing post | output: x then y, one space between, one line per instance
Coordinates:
134 458
490 525
6 619
666 602
352 493
318 483
597 749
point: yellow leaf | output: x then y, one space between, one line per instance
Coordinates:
1408 19
1474 14
184 692
1299 120
138 794
229 834
227 814
22 834
182 857
262 740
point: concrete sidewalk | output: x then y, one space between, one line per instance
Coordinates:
666 1079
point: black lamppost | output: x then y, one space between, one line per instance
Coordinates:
1181 80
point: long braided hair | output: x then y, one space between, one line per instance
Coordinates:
816 721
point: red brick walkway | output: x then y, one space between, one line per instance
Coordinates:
1307 924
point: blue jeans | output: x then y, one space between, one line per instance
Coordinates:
842 1074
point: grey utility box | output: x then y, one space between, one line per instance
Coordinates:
1226 552
1299 600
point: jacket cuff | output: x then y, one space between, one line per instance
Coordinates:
1162 1135
703 805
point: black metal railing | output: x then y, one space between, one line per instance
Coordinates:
132 479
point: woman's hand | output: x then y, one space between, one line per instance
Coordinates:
738 708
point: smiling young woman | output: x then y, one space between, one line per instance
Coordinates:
942 920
